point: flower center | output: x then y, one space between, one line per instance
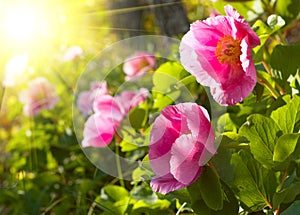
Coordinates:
228 50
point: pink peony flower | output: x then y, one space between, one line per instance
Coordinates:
217 51
138 64
40 95
86 98
72 53
109 112
130 99
181 142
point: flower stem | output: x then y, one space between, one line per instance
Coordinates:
119 169
281 37
264 82
283 179
270 73
212 166
2 96
63 81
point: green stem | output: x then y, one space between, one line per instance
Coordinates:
91 210
212 166
33 151
264 82
236 145
63 81
181 207
2 97
53 205
119 169
281 37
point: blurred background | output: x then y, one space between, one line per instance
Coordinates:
42 167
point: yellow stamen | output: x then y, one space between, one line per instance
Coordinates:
228 50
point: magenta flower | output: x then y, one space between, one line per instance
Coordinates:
181 142
86 98
217 51
40 95
109 112
72 53
138 64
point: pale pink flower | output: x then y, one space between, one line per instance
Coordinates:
108 107
86 98
129 99
98 130
72 53
109 112
100 127
217 51
41 94
14 69
214 13
138 64
181 142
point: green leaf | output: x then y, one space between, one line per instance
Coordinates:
222 163
243 8
287 115
285 61
285 146
288 9
169 84
286 195
231 205
262 133
245 184
293 209
182 195
86 185
138 117
114 193
167 75
161 206
144 193
144 171
263 31
210 189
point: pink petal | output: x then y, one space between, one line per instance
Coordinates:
195 64
129 99
184 161
199 124
166 184
162 136
138 64
176 115
106 105
230 11
83 103
98 131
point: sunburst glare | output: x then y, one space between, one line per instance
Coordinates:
23 23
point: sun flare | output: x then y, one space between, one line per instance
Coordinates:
22 24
